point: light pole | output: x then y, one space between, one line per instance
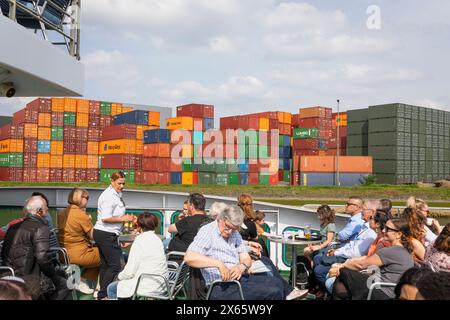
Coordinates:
338 145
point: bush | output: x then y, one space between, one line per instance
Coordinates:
369 180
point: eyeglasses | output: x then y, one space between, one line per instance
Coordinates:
85 197
387 229
348 204
231 228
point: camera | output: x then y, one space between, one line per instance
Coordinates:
7 89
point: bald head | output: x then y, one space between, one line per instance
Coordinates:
369 209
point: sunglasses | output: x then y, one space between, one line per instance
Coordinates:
86 197
387 229
350 204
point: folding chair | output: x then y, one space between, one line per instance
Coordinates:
64 266
218 282
7 269
377 285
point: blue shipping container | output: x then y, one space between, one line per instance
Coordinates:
286 164
175 178
157 136
208 123
243 179
43 146
287 152
138 117
197 137
287 141
329 179
243 167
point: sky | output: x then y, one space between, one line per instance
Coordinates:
246 56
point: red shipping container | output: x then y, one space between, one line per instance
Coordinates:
285 129
333 152
253 178
30 160
248 122
149 177
273 124
9 131
29 174
273 179
70 146
163 177
30 145
121 131
149 164
196 110
295 120
43 175
94 107
319 123
138 177
105 121
55 175
295 178
41 105
94 121
93 134
81 147
68 175
80 175
229 122
57 119
163 164
176 166
70 133
307 152
92 175
11 174
82 134
198 124
122 161
269 114
161 150
26 115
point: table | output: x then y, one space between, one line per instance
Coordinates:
129 238
294 243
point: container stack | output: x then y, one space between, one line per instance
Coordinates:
322 170
156 162
357 132
332 144
121 145
11 152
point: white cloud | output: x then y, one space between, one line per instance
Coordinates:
221 45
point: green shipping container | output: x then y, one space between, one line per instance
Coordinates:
357 115
233 179
105 108
105 175
263 179
206 178
222 179
57 133
70 118
306 133
186 165
11 160
286 176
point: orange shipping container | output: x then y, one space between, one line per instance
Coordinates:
140 131
285 117
263 124
43 160
57 104
347 164
186 123
187 178
139 146
118 146
70 105
92 148
314 112
69 161
11 145
82 120
45 120
80 161
44 133
56 148
82 106
92 162
126 109
116 108
154 118
158 150
30 130
56 162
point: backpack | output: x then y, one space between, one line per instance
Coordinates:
302 277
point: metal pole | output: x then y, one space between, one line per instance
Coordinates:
12 9
338 145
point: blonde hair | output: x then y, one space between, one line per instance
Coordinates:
415 203
76 195
245 202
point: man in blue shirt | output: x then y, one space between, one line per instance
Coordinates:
355 222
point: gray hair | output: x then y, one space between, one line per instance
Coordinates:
34 204
216 208
372 204
234 214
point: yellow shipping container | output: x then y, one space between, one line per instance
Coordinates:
118 146
92 162
56 148
92 148
69 161
116 108
80 161
57 104
263 124
187 178
187 150
82 106
44 120
44 133
126 109
43 160
70 105
11 145
273 166
186 123
82 120
56 162
287 118
154 118
30 130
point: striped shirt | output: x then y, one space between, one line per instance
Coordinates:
209 242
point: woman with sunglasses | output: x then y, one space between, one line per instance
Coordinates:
389 265
75 234
431 226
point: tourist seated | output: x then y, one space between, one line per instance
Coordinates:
416 225
186 229
437 254
26 250
327 230
392 262
146 256
14 289
248 229
260 221
406 288
48 220
218 250
75 234
434 286
354 224
357 247
431 226
386 206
